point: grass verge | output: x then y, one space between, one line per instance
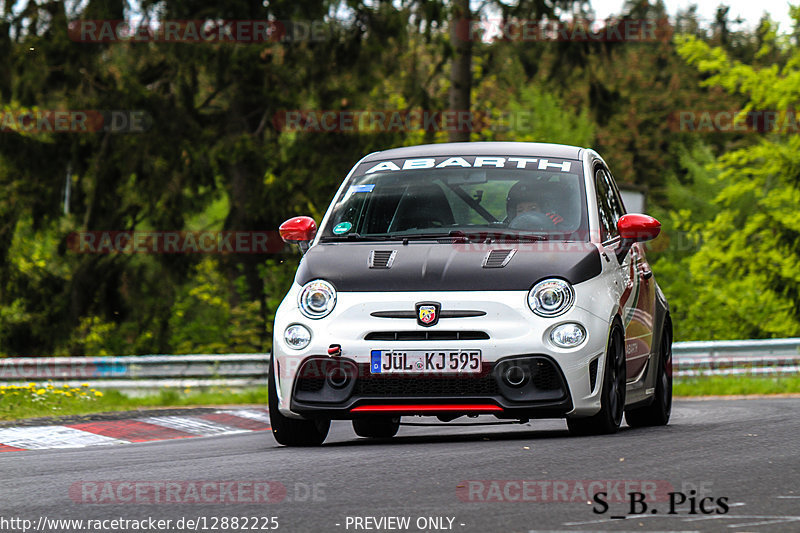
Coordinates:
38 400
736 385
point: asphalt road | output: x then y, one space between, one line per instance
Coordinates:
743 455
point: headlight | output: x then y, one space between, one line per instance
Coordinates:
551 297
297 337
568 335
317 299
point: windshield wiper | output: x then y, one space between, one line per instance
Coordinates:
485 237
454 234
357 237
457 235
511 236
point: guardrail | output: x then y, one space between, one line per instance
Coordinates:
763 356
137 373
141 373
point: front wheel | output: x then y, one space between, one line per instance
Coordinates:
612 397
658 412
376 427
291 431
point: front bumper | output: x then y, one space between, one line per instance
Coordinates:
563 382
355 391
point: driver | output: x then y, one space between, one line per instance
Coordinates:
526 198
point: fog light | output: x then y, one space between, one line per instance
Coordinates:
297 337
516 376
338 377
568 335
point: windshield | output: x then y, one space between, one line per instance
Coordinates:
462 195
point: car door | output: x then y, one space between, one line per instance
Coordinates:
608 215
639 305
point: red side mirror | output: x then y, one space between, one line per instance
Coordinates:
636 227
298 229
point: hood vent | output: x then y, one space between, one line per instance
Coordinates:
381 258
498 258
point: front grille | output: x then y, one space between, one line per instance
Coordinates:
444 313
544 383
426 335
325 380
315 384
404 386
310 384
546 377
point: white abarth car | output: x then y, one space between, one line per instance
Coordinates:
471 279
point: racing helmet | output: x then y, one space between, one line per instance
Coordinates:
521 192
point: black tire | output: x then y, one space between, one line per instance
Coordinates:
657 413
376 427
612 397
291 431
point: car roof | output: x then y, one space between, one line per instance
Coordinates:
560 151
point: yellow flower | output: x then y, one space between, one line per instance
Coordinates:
68 393
31 385
98 393
40 392
84 384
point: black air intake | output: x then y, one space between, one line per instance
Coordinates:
593 373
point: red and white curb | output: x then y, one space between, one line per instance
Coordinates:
144 429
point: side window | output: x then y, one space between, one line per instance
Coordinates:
615 199
606 210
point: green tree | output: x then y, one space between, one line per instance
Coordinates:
746 272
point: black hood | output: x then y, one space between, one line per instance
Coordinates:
447 267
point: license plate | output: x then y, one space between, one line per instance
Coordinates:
434 361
